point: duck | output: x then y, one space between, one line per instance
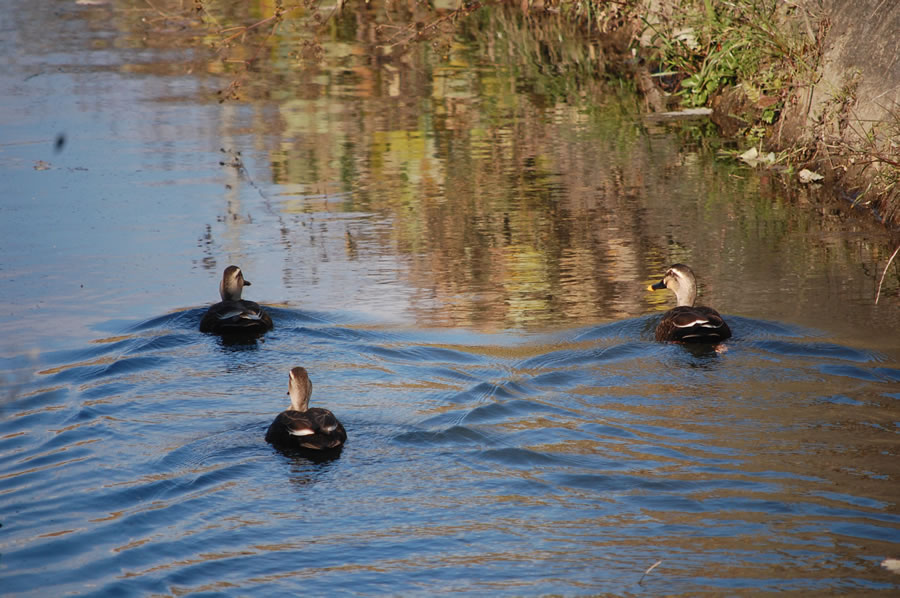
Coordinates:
233 315
304 427
688 323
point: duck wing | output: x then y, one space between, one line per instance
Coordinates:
235 317
692 325
315 428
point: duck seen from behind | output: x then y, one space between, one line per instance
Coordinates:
686 322
233 315
302 426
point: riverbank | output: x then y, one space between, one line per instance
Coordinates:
812 86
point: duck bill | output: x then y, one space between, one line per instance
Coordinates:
658 286
246 283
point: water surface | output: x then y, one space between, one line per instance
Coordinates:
454 239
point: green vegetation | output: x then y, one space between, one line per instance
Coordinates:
708 45
758 64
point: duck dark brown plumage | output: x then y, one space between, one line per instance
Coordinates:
686 322
304 427
233 315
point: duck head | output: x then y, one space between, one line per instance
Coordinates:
232 284
300 389
680 280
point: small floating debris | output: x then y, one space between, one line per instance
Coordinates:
652 567
753 158
41 165
808 176
686 114
892 565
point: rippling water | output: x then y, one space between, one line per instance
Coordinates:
547 463
457 250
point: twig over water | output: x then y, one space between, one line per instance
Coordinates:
652 567
893 255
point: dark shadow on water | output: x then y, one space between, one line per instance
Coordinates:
702 352
692 357
241 342
301 456
304 472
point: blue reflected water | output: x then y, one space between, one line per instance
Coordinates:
544 463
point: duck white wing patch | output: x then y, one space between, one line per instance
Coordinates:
330 429
691 324
231 313
302 432
249 315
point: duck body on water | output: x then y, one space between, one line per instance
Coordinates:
233 316
304 427
688 323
